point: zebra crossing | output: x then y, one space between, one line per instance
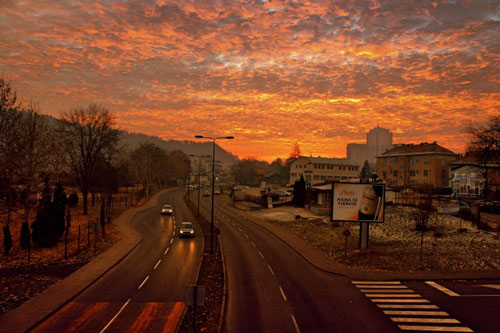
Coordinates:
407 309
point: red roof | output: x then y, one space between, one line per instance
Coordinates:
420 149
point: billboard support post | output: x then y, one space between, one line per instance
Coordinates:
364 228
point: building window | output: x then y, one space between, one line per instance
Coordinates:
426 173
412 173
384 174
316 177
395 173
384 162
394 162
412 161
443 162
426 162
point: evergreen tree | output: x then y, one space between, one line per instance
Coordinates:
7 239
25 235
299 192
73 200
59 208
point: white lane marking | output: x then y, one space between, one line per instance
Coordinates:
261 255
282 293
143 282
270 269
382 287
295 324
171 240
241 230
166 251
408 306
399 300
156 266
416 313
393 291
394 295
435 328
246 236
441 288
253 244
173 233
233 224
115 316
376 282
426 320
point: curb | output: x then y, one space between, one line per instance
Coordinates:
37 309
357 273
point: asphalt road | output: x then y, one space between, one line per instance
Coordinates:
273 289
146 290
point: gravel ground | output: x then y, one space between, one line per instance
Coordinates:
395 244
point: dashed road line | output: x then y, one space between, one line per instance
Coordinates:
270 269
283 293
295 324
261 255
143 282
156 266
241 230
166 251
173 234
253 244
441 288
115 316
171 240
404 306
246 236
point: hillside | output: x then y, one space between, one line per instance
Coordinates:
132 140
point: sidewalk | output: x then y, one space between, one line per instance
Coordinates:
35 310
325 263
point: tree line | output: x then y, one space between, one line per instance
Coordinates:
80 149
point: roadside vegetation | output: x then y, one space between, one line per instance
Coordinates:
63 181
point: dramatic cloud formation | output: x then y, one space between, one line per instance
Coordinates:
271 73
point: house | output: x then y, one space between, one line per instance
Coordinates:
320 170
474 177
273 178
410 165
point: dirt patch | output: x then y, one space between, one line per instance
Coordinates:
395 244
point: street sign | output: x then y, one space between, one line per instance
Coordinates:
347 232
195 295
216 231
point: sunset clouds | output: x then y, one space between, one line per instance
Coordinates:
321 73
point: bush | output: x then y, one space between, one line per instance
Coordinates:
25 235
7 240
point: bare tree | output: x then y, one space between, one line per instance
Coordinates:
86 133
34 149
422 215
147 163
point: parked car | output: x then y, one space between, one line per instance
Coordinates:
217 192
186 229
206 194
167 209
464 208
284 193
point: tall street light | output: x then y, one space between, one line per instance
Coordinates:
213 184
199 175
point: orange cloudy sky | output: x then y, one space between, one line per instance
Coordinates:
271 73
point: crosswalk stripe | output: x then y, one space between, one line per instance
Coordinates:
407 306
426 320
435 328
415 313
399 300
376 282
395 295
395 291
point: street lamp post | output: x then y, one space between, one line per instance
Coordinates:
213 185
199 175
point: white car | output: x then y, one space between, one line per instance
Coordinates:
167 209
186 229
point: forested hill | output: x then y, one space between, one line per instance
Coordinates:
133 140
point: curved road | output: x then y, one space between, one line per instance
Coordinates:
146 290
271 288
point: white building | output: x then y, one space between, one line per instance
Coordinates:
318 170
378 140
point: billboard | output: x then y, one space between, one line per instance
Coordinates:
354 202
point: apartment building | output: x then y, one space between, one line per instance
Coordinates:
415 165
318 170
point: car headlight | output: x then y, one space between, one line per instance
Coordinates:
191 232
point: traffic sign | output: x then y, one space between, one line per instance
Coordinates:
347 232
216 231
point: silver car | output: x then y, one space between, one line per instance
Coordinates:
186 230
167 209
